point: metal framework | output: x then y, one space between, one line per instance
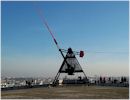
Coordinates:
70 66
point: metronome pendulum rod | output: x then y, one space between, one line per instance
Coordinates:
47 26
45 22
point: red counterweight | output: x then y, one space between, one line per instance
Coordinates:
81 53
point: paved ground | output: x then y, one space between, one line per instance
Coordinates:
70 92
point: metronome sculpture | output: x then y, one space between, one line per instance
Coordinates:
70 64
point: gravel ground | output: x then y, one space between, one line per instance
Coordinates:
68 92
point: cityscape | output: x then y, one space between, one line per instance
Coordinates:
12 82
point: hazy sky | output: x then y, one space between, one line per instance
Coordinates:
98 28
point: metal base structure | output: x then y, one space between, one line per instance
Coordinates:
70 66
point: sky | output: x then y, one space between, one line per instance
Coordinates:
100 28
